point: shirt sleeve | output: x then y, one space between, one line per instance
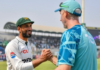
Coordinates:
14 57
67 50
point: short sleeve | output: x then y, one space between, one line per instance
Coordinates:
67 49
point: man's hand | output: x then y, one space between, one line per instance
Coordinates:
46 54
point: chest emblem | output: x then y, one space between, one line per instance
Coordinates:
24 51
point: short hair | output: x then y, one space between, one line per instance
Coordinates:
72 16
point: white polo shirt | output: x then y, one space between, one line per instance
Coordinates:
19 55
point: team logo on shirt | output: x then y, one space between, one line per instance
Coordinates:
91 40
12 54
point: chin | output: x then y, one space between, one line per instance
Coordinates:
65 27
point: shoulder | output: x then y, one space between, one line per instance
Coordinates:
73 33
75 30
11 45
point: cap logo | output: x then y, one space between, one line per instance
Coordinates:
64 6
26 18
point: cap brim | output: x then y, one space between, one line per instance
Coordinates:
29 22
58 10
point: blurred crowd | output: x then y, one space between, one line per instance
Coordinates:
45 41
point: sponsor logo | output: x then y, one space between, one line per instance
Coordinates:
27 60
12 54
91 40
24 51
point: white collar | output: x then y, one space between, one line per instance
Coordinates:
21 40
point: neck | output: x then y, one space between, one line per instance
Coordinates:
25 39
72 23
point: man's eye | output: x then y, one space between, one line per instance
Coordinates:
30 25
26 26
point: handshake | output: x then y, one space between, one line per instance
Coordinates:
46 54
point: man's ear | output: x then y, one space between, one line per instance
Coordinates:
65 13
19 29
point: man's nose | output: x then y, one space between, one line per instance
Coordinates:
29 28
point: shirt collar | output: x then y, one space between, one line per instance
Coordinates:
21 40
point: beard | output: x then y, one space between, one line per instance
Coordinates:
64 24
25 35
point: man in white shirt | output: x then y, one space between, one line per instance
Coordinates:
19 50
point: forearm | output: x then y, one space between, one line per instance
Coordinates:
36 62
63 67
53 60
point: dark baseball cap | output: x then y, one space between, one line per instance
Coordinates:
23 20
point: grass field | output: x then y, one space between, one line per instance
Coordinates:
44 66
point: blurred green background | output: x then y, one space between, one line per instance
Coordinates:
44 66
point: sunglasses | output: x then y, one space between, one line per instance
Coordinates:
61 5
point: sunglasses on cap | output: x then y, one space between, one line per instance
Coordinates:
61 5
76 11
